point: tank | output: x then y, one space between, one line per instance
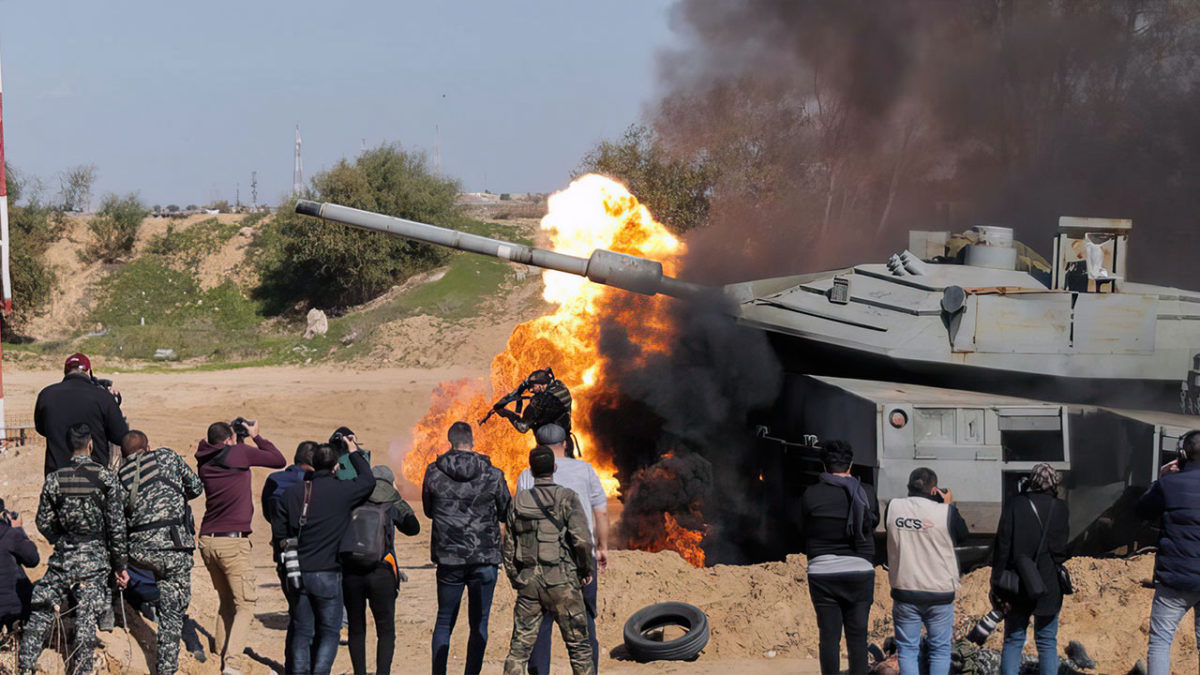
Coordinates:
970 354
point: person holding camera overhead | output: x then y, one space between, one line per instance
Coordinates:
223 461
1173 502
79 398
1031 544
922 531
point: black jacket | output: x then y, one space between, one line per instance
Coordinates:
824 509
1173 501
70 402
1020 532
467 498
329 509
16 551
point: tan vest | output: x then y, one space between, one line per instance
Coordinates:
920 549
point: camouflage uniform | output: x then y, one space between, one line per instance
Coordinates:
546 563
80 514
156 486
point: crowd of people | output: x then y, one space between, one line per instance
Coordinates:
123 526
840 515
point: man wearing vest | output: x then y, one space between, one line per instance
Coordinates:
80 514
548 559
580 477
157 485
224 467
922 531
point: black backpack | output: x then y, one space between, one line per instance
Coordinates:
365 542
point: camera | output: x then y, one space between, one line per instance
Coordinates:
106 385
979 634
8 517
241 427
291 562
338 442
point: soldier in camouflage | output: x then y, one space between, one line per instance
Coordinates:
156 486
80 514
548 559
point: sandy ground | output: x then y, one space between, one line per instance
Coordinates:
381 406
754 610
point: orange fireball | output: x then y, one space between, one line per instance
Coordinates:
594 212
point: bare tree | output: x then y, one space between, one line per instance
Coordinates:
75 187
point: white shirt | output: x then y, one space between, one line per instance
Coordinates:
578 476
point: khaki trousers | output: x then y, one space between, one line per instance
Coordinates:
228 563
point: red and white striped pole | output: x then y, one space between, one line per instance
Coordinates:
4 272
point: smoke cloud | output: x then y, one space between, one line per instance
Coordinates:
676 421
838 126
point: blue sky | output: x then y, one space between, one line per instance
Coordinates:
182 100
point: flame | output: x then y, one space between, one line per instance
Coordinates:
593 212
683 541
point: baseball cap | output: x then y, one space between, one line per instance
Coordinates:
550 434
77 360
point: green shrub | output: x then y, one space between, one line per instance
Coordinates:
306 262
115 226
188 246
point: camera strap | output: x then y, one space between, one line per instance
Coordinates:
304 511
1044 525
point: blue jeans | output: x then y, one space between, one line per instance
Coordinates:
539 660
480 581
1045 636
939 626
316 621
1166 612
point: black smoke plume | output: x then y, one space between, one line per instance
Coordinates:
838 126
676 420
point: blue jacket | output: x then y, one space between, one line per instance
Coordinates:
275 485
1175 499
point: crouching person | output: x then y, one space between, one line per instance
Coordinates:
79 513
548 559
157 485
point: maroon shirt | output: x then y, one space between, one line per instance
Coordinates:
229 502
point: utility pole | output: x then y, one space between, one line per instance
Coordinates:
298 170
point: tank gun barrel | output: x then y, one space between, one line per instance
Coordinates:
610 268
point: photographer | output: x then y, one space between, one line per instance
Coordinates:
223 462
316 514
1031 542
1173 501
922 531
16 551
79 398
838 516
344 441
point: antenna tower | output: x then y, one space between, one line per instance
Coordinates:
298 171
254 188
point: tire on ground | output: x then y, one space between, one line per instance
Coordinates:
688 646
